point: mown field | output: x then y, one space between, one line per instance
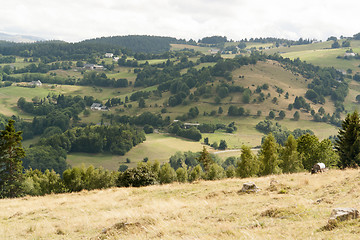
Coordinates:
289 206
161 147
322 54
156 147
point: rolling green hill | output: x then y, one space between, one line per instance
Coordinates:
284 82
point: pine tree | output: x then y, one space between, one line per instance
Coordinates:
308 148
11 153
348 145
268 156
205 159
248 166
289 155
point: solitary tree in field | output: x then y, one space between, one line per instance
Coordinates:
222 145
282 114
348 145
11 153
296 116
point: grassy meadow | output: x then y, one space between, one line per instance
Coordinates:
156 147
321 54
289 206
160 146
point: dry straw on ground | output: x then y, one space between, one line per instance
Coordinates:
296 206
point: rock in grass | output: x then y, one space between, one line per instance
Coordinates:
342 214
249 187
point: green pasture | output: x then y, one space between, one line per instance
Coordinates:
326 58
153 61
127 73
19 63
156 147
10 95
350 102
178 47
300 48
321 54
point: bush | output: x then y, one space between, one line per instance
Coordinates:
230 172
196 173
167 174
137 177
181 175
148 129
123 168
37 183
222 145
215 172
77 179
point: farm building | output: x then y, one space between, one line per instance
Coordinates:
36 83
109 55
99 107
93 67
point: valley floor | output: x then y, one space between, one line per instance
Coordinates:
296 206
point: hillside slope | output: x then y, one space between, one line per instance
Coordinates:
296 207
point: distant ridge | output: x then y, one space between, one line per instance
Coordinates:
19 38
137 43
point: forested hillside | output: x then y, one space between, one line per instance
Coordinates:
69 99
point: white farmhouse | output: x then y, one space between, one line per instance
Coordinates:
109 55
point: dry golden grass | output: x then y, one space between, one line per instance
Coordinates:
295 206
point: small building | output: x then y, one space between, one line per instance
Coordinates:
96 106
115 59
109 55
214 51
189 125
93 67
99 107
37 83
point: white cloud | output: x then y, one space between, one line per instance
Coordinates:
77 20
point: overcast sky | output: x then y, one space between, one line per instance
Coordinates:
76 20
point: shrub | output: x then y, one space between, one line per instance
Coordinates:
230 172
167 174
137 177
123 168
215 172
181 175
148 129
196 173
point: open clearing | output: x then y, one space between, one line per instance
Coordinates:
156 147
297 206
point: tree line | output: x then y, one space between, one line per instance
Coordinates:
296 155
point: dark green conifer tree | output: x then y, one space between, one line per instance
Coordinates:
348 145
205 159
11 153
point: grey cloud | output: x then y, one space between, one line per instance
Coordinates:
76 20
